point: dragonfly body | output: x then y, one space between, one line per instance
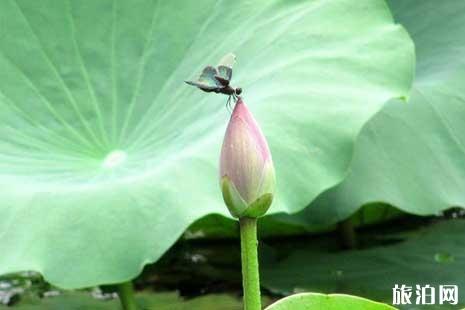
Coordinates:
225 90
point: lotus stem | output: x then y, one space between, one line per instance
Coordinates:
126 296
249 256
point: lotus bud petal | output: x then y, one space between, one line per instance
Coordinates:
246 168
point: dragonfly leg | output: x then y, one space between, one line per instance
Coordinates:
228 104
234 98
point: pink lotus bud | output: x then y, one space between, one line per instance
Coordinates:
246 169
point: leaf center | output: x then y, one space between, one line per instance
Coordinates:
114 158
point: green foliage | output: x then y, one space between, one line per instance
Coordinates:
432 255
309 301
106 156
412 155
279 225
147 301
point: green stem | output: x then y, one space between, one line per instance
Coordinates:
249 255
126 296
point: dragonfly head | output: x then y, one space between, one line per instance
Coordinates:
238 91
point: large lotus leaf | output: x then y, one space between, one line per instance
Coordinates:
431 255
309 301
106 156
413 156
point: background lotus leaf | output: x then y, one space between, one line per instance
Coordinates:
106 156
427 256
412 155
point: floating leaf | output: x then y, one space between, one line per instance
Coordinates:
106 156
307 301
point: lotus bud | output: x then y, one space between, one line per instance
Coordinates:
246 169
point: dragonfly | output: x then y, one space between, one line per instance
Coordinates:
217 79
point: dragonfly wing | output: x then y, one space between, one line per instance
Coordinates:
206 81
225 66
225 73
228 60
201 85
207 77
